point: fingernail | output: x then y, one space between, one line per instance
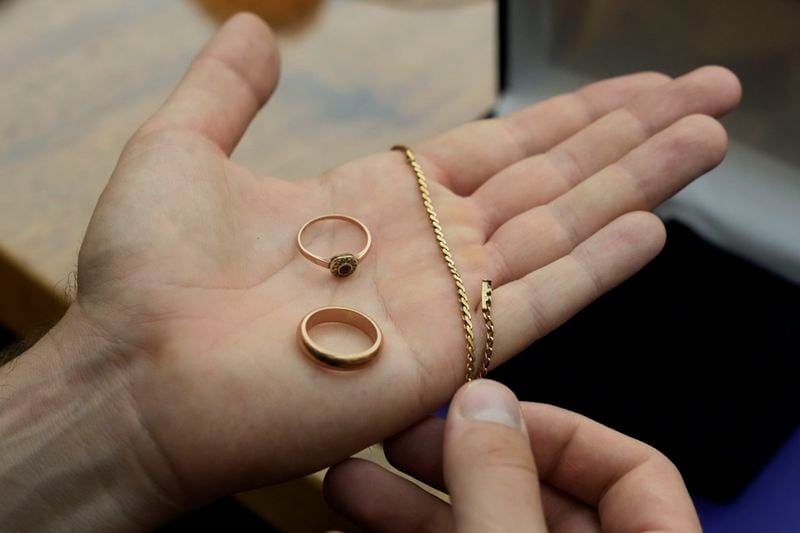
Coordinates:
488 401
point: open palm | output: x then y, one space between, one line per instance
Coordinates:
189 265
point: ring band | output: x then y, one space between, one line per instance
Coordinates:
341 265
341 315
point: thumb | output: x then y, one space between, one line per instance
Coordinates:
489 468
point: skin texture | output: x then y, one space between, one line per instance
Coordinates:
190 288
555 471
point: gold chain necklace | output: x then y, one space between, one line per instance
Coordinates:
463 299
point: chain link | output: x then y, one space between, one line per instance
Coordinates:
486 309
463 299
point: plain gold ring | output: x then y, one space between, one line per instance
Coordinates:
341 265
340 315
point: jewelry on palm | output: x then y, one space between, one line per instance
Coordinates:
463 299
341 265
340 315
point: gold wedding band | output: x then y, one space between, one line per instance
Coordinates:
340 315
341 265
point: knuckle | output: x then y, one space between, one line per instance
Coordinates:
662 462
509 461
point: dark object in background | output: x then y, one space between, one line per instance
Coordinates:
696 355
224 515
6 338
7 346
281 15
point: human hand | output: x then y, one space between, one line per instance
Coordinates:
190 288
512 466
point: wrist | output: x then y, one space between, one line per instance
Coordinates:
73 452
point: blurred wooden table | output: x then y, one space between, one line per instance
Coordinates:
78 76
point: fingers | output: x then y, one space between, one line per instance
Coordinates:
488 464
532 306
565 514
467 156
641 180
585 468
634 487
227 83
539 179
378 500
418 451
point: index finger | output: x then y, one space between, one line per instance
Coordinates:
634 487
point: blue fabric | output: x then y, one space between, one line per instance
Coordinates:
770 503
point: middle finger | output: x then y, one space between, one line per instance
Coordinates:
539 179
639 181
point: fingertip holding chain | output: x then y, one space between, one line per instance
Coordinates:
463 299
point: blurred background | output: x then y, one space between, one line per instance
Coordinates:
697 355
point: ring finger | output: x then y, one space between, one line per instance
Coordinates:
539 179
639 181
